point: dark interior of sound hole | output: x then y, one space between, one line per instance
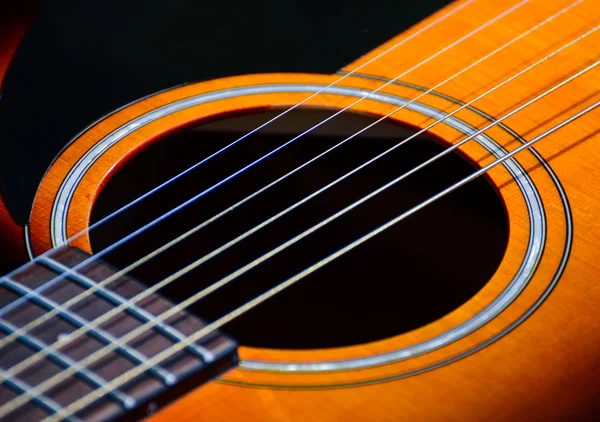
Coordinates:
407 276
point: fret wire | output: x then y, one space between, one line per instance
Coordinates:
166 376
201 352
43 401
66 362
19 401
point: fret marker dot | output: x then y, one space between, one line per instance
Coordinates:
170 379
129 403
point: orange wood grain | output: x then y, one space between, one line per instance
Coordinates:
548 368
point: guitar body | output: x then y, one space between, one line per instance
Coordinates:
526 346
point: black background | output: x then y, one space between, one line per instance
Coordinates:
82 59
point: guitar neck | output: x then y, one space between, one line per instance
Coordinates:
35 314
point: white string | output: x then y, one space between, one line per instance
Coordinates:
128 376
47 316
285 245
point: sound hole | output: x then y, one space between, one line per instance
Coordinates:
407 276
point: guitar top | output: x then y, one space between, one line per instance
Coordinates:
298 212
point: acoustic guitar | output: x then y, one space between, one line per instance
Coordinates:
414 236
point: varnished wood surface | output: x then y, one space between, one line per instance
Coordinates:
547 368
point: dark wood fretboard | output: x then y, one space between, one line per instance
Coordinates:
43 287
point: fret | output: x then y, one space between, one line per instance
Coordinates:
13 305
78 321
133 309
66 362
46 403
23 300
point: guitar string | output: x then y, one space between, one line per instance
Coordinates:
166 354
48 284
74 335
196 297
76 299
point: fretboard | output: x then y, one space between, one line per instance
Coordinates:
29 381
